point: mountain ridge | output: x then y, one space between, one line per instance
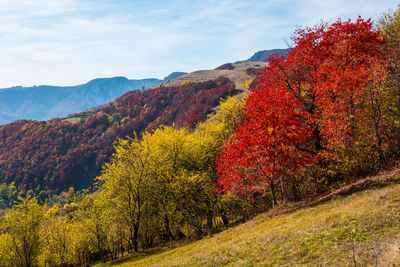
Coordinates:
265 55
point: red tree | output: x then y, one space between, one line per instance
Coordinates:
266 145
308 106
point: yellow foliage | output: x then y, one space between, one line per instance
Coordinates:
70 206
247 83
65 242
229 114
22 223
53 211
153 184
7 254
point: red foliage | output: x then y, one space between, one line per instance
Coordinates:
304 106
330 70
266 145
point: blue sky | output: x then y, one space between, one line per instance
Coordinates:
67 42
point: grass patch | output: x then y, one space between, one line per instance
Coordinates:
314 236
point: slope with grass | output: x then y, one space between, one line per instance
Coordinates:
313 236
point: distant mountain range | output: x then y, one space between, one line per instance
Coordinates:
45 102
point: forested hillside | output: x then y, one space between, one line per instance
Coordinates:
60 153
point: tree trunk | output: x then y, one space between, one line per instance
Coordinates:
273 195
209 223
224 219
354 253
284 196
135 237
168 233
295 190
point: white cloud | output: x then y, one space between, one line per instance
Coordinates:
72 41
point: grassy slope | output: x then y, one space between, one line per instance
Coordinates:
237 75
313 236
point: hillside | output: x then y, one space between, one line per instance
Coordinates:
60 153
237 73
70 151
314 236
45 102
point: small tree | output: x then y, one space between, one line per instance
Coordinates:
355 234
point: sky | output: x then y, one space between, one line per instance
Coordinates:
69 42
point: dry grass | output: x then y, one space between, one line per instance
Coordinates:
314 236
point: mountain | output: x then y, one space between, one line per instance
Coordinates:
46 102
265 55
174 75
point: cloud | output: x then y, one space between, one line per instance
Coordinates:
73 41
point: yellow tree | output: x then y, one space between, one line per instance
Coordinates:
123 184
94 220
65 240
21 233
153 185
166 156
389 25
